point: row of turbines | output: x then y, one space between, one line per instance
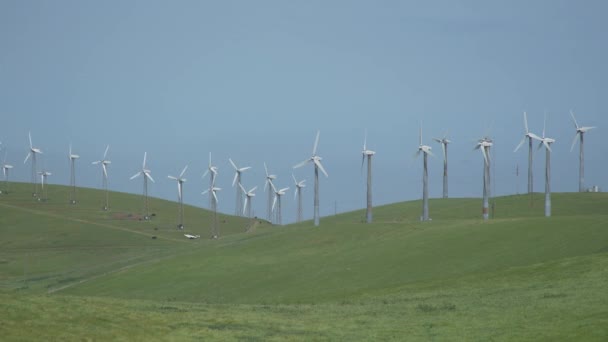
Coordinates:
244 197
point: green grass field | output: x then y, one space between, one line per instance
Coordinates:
76 272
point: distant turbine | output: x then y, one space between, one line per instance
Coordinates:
72 157
484 145
298 194
580 131
277 204
249 195
368 153
444 146
180 199
104 174
426 151
212 172
530 136
5 170
32 153
237 180
547 143
43 177
146 175
268 188
316 160
215 229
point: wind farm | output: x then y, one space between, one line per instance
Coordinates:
175 183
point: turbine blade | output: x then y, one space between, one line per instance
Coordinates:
318 163
106 152
314 149
549 147
179 190
183 171
521 143
143 166
252 190
150 177
236 175
574 141
266 169
172 177
27 157
242 188
294 179
301 164
245 205
233 165
205 173
245 168
215 196
526 122
105 171
574 119
445 153
544 124
274 202
485 156
295 193
365 141
204 192
135 175
29 134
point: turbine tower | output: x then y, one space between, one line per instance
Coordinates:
426 151
5 170
580 132
249 195
277 203
180 190
268 188
316 160
237 180
212 172
104 176
32 153
146 175
547 143
368 153
484 145
43 176
72 157
298 194
215 229
530 136
444 147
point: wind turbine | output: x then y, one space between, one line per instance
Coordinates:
547 143
72 157
277 202
215 230
180 190
530 136
237 180
484 145
298 194
368 153
5 170
580 132
212 172
268 188
249 195
146 175
444 147
43 176
316 160
104 168
426 151
32 153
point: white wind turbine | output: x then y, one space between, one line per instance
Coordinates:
43 176
484 145
237 180
145 173
444 146
426 151
530 136
212 172
277 203
268 188
180 197
580 132
316 160
368 153
544 141
104 168
298 195
32 153
5 170
215 229
72 157
249 195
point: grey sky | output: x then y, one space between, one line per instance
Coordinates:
254 80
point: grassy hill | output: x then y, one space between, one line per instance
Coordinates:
75 271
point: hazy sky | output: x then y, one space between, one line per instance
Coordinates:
254 80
